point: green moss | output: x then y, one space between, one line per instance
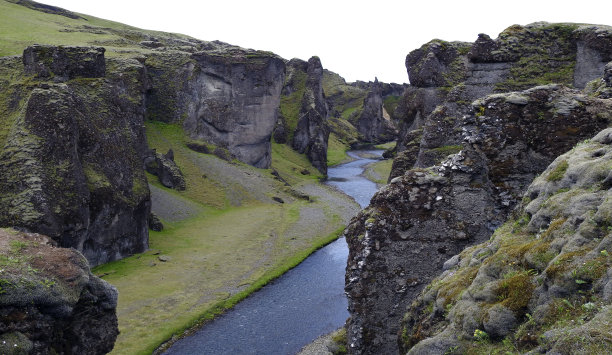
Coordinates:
515 291
453 286
390 103
291 104
558 172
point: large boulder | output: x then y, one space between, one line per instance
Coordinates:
50 303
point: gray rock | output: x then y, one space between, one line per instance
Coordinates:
72 166
312 130
499 321
64 61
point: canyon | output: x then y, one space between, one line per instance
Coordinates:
137 152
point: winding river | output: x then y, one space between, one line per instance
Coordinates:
303 304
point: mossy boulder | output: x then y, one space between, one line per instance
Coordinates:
49 300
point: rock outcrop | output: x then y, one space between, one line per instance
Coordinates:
223 95
373 124
311 134
542 283
472 160
164 167
71 152
50 303
453 74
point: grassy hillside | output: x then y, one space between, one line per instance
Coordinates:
21 26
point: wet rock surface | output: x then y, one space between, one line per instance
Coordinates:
50 302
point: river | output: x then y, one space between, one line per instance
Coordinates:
298 307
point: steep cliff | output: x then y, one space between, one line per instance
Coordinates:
497 145
71 148
374 123
453 74
542 283
221 94
50 303
303 119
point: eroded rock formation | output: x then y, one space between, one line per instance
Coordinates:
50 303
471 160
223 95
544 280
311 134
71 155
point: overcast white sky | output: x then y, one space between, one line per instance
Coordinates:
355 38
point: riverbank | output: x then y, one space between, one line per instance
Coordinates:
224 237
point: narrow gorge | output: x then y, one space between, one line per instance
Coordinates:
151 181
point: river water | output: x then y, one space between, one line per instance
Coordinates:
298 307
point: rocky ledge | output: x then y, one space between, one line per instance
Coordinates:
50 303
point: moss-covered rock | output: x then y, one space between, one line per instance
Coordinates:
49 300
542 282
71 162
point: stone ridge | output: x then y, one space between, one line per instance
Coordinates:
50 302
448 76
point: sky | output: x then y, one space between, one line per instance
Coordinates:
359 40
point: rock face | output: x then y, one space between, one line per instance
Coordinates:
542 282
472 164
223 95
50 303
66 62
71 157
312 131
453 74
372 123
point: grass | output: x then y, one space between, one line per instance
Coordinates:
379 171
215 262
336 151
21 27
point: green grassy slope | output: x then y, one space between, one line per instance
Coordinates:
214 260
21 26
